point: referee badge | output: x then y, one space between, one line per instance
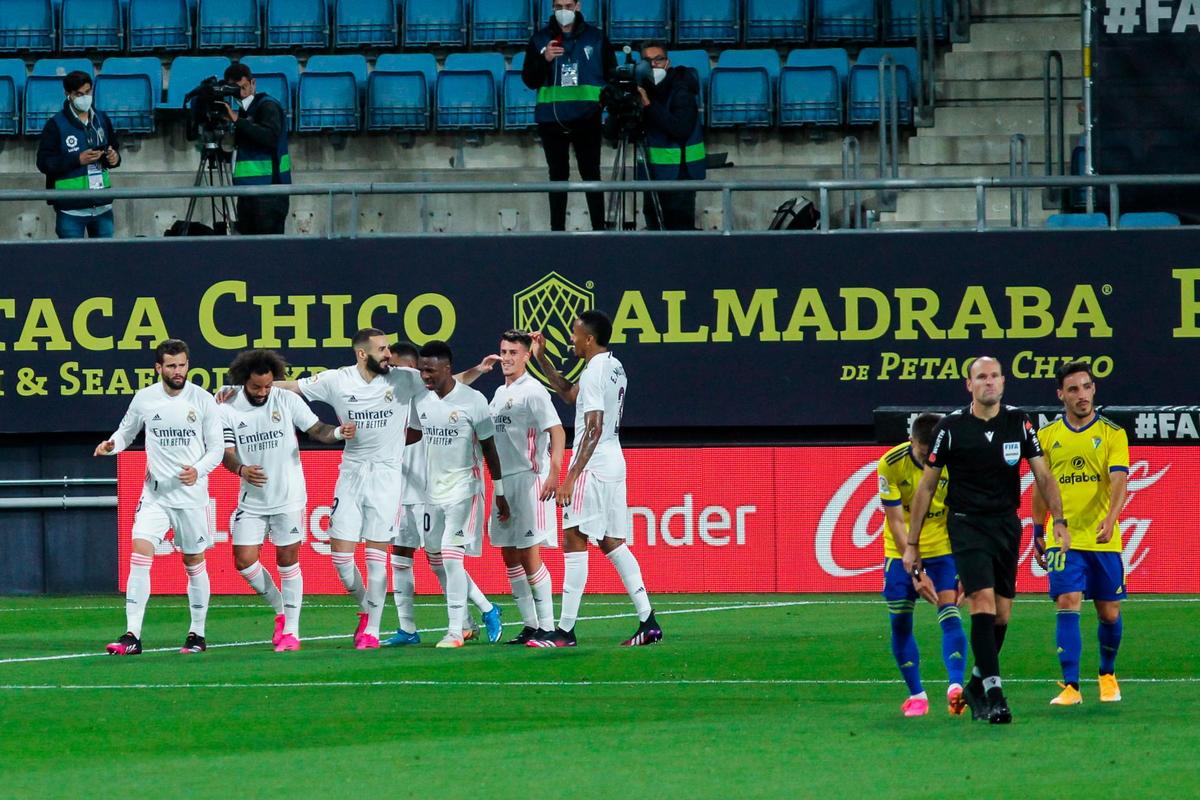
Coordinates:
1012 453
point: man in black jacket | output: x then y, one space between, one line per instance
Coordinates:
76 151
674 138
262 158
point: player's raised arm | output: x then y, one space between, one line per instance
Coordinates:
469 376
922 499
1048 487
562 387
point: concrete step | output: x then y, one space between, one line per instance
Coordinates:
949 204
922 171
1022 36
983 65
1005 118
991 149
951 92
999 9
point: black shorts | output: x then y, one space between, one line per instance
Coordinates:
986 549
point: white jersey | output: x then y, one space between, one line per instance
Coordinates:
602 388
181 431
523 415
453 427
379 409
414 462
265 435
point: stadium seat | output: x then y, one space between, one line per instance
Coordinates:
631 21
850 20
330 93
699 61
278 76
435 22
811 87
467 96
743 88
129 91
715 21
400 92
44 98
159 25
776 21
364 23
186 74
593 12
1077 221
91 25
296 23
1148 219
224 24
497 22
864 84
900 19
27 25
519 100
61 66
12 86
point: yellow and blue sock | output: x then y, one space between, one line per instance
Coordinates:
1070 645
904 644
954 642
1109 634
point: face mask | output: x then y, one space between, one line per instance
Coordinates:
82 104
246 101
659 75
564 16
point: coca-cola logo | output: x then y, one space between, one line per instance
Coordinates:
864 532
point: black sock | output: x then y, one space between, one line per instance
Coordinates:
983 644
1001 632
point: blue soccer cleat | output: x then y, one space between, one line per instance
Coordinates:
401 638
493 625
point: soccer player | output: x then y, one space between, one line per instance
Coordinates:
183 445
261 449
457 429
982 445
899 473
592 495
1089 455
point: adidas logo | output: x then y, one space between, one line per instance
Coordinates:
241 425
424 415
353 399
295 531
529 534
157 418
1056 445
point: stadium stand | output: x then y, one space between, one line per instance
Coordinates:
519 99
228 24
845 20
278 76
631 21
129 90
812 86
186 74
468 87
707 21
1077 221
1148 219
901 18
864 84
296 24
43 99
769 21
435 23
61 66
159 25
365 23
330 93
699 61
27 26
500 22
12 86
92 25
400 92
743 88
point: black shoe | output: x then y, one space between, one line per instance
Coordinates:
193 644
557 638
999 712
648 632
127 645
980 710
524 636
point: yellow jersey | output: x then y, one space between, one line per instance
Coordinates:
1082 460
898 479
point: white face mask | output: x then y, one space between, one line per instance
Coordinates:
660 74
246 101
82 104
564 16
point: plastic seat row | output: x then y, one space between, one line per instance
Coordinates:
1132 219
128 90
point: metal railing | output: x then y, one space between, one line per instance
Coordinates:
851 171
889 128
926 63
57 502
1018 167
1053 109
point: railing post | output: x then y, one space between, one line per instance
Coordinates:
1053 198
851 170
1018 165
1114 205
888 135
980 207
726 209
823 208
1089 166
354 211
926 63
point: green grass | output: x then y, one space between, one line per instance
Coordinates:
803 702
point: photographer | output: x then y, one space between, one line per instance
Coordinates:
674 138
76 151
260 136
568 63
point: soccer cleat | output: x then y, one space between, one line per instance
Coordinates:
127 645
193 644
999 712
1069 696
401 638
449 641
471 631
648 632
556 638
493 625
362 626
287 642
1110 692
367 642
976 700
915 707
955 701
275 637
524 636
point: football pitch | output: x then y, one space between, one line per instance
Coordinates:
748 696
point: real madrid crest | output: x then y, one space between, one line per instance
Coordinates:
509 404
389 396
191 417
453 417
276 416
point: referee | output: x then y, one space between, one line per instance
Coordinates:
983 445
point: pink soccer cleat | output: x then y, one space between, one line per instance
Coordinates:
287 642
362 626
278 635
367 642
915 707
127 645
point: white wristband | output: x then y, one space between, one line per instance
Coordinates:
498 487
337 434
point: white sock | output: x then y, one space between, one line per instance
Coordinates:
520 590
631 575
477 598
261 582
198 594
137 592
376 597
438 568
347 570
574 580
403 587
543 599
456 590
292 583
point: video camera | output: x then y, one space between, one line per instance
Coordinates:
621 99
206 115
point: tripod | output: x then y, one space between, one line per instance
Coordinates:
617 216
215 170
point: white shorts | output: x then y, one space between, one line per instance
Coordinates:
532 521
249 529
193 527
416 522
598 509
456 525
366 505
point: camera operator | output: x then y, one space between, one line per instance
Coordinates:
76 151
674 138
261 159
567 63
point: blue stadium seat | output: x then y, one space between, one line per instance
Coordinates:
12 86
400 92
864 83
699 61
1148 219
593 12
631 21
61 66
330 93
27 25
129 91
159 25
278 76
714 21
186 74
1077 221
743 88
900 19
811 87
223 24
468 92
435 22
497 22
519 100
850 20
296 23
776 21
91 25
44 98
364 23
